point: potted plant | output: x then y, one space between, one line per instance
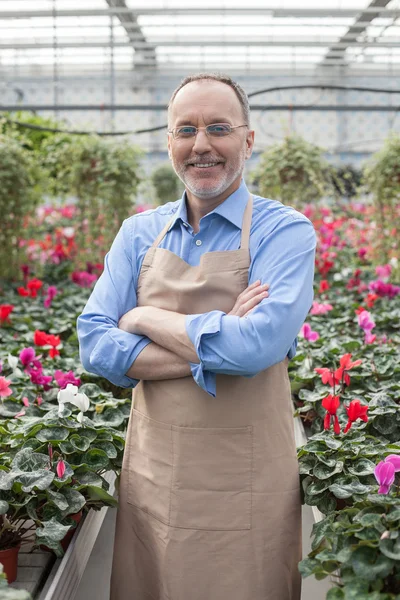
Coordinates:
294 172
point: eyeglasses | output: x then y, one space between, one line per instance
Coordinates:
216 130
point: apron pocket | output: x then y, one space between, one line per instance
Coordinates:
212 478
149 466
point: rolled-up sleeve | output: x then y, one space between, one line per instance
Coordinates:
245 346
104 348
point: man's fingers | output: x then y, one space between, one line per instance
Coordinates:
251 291
250 304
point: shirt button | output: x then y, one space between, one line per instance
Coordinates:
198 242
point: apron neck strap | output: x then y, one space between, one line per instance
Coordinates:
246 224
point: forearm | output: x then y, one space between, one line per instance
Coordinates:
165 328
155 362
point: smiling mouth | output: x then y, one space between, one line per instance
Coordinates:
204 165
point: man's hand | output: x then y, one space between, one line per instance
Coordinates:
130 321
249 298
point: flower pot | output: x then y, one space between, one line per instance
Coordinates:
68 536
9 560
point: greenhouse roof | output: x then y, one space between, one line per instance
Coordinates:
247 35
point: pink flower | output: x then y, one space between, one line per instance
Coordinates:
39 400
384 474
365 320
384 289
51 293
362 252
308 334
63 379
26 356
25 401
384 271
60 468
320 309
369 338
20 414
5 390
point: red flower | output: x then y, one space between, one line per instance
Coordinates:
371 299
53 352
359 310
327 376
5 311
346 365
23 292
331 404
40 338
53 340
355 411
34 286
323 286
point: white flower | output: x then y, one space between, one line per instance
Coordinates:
12 361
70 394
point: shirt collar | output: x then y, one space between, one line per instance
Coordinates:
232 209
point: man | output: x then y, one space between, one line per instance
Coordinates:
198 310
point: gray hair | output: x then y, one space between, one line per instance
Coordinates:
239 91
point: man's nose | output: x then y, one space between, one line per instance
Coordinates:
202 142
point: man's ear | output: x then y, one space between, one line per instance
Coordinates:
249 144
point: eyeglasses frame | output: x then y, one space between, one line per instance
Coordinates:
171 131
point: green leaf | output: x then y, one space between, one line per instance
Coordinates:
390 548
75 501
58 499
368 564
317 487
361 467
322 471
53 434
4 506
96 493
335 594
51 534
80 443
40 479
307 566
107 447
96 459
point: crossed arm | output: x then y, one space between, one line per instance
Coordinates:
169 355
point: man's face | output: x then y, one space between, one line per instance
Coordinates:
202 103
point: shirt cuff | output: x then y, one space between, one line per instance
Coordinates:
198 327
114 354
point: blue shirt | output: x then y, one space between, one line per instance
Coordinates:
282 250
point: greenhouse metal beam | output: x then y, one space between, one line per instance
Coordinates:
277 12
281 42
130 22
162 107
359 26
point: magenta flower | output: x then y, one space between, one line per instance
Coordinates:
384 474
394 459
51 293
38 378
30 360
60 468
384 289
308 334
63 379
365 320
26 356
83 278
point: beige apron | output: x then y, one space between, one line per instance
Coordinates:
209 503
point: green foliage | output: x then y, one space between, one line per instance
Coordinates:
360 548
294 172
167 184
19 195
103 175
382 177
347 180
32 137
